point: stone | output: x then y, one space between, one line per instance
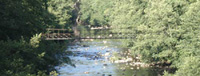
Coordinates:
86 72
105 64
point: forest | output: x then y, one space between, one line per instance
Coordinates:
22 50
165 31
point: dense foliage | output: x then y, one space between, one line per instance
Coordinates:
22 51
63 10
22 58
22 18
95 12
165 30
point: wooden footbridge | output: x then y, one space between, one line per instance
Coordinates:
62 34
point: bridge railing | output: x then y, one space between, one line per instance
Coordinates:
61 34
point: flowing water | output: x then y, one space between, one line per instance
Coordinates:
93 58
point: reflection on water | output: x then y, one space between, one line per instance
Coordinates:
93 59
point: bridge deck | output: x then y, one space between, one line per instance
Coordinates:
62 35
89 38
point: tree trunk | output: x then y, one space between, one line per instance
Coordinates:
77 21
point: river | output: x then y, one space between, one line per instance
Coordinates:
93 58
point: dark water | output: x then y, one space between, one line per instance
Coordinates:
93 58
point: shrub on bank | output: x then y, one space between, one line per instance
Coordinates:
22 58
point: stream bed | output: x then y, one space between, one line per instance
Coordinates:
93 58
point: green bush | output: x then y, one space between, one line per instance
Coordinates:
21 58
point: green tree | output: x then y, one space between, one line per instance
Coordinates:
62 9
23 18
165 30
20 53
95 12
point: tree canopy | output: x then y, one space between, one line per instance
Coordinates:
165 30
22 51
